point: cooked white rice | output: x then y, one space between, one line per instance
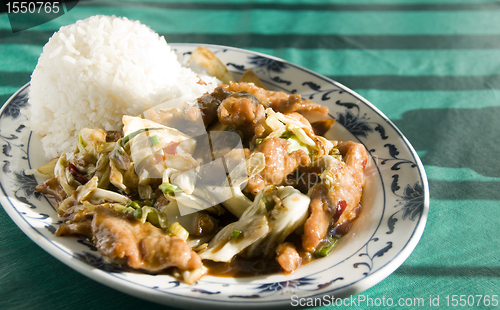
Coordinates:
98 69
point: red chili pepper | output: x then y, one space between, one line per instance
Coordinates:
171 148
341 205
158 157
78 176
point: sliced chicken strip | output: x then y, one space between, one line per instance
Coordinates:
279 164
141 245
288 257
337 204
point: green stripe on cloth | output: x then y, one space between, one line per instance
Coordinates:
395 104
4 21
281 41
4 98
460 190
459 227
459 271
350 62
19 57
456 138
334 41
446 174
330 2
9 91
391 62
14 79
301 5
275 21
457 252
423 83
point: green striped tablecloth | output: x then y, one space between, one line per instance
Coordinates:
433 67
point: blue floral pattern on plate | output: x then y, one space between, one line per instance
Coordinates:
377 244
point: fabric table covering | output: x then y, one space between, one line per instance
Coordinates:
431 66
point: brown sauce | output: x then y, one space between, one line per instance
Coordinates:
240 267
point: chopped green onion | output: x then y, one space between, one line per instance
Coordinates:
130 136
258 142
236 233
81 142
154 140
326 247
168 188
269 203
177 230
123 209
155 217
287 134
138 213
150 202
134 204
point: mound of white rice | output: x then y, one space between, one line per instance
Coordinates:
93 72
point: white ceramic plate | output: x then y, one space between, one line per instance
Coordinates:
395 202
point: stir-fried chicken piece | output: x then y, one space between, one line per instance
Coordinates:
288 257
76 218
209 103
242 111
299 117
295 103
316 226
83 228
141 245
279 101
336 204
52 189
356 157
279 164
